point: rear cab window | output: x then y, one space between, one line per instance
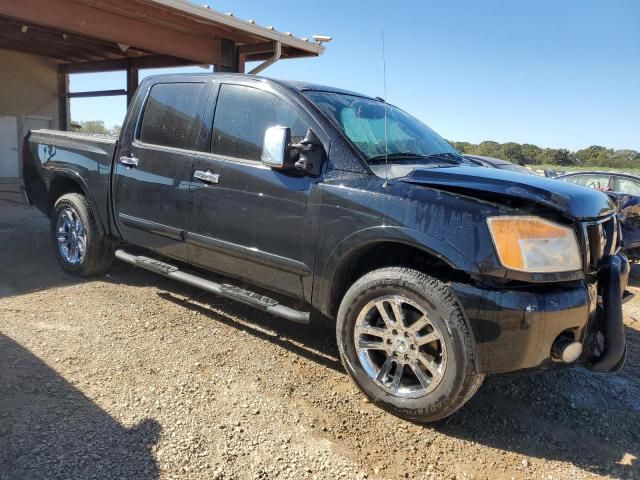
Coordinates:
242 116
172 115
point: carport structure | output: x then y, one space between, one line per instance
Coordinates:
85 36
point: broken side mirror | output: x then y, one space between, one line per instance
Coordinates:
275 149
304 158
308 154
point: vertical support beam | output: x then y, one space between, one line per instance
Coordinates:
63 101
227 56
132 81
240 61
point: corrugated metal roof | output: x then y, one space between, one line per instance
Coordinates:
228 20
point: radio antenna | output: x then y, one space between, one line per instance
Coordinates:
386 140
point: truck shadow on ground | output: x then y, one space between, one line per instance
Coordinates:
571 415
49 429
314 342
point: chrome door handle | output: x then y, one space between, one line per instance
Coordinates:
129 161
207 177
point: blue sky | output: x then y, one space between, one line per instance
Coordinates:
553 73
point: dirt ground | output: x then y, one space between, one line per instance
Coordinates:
133 376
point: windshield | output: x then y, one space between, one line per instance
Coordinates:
362 121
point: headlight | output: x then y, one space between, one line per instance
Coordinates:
535 245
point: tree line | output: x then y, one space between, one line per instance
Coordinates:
528 154
95 127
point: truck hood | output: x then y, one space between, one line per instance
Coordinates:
567 198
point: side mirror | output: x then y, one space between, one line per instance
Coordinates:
304 158
275 149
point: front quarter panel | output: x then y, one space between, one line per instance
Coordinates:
452 225
359 210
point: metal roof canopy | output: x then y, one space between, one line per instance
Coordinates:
85 36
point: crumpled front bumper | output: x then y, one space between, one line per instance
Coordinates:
515 329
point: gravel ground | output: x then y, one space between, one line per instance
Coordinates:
133 376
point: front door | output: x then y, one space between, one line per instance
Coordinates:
249 221
152 177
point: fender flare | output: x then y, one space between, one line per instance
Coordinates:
76 178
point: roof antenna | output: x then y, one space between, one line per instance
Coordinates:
386 143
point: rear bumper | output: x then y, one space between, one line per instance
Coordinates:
515 329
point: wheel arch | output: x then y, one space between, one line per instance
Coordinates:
63 183
380 247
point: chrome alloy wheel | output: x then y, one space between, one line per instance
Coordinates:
399 347
72 237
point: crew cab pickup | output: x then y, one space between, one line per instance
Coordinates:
319 203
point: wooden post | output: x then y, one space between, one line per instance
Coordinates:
63 101
240 60
132 81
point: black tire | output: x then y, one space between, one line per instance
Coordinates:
99 251
459 381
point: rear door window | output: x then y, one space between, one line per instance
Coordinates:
242 117
172 116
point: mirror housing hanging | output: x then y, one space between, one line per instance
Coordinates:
304 158
276 146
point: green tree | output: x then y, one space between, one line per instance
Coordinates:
563 157
489 148
593 155
531 154
512 151
463 147
96 127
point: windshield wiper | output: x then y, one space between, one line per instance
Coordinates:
396 156
452 158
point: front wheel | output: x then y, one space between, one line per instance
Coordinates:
80 247
403 340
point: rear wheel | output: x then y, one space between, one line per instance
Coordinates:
404 341
80 248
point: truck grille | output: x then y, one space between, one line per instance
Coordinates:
601 239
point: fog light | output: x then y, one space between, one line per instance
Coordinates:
566 349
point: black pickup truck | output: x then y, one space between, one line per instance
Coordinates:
315 200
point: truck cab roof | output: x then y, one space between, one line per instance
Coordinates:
299 86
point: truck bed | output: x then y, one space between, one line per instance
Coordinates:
52 157
73 139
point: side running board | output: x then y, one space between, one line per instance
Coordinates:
238 294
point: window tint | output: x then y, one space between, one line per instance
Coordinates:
171 115
242 116
626 185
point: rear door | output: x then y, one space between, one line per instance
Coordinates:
249 221
153 172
